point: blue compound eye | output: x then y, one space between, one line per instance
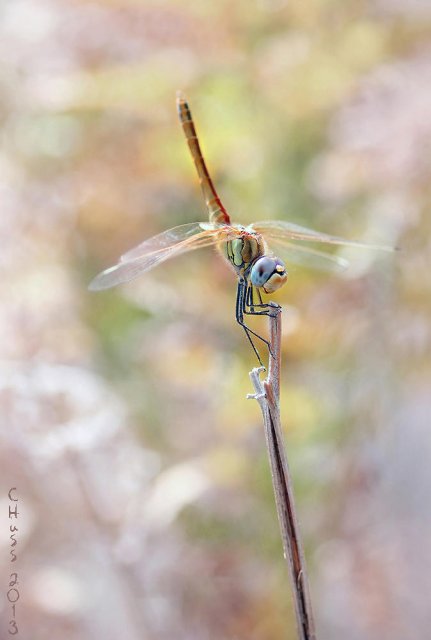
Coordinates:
264 268
268 273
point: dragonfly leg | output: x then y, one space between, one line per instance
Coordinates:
269 308
241 304
273 305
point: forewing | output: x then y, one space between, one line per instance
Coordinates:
149 256
167 239
307 256
279 229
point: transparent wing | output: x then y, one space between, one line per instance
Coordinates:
308 257
167 239
279 229
162 247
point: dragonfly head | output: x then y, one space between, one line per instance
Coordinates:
268 273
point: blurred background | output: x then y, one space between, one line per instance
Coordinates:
145 500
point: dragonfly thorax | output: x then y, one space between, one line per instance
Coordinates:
243 250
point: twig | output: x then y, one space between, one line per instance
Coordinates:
267 394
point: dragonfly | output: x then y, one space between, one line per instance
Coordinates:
246 248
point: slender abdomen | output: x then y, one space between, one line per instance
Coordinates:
217 212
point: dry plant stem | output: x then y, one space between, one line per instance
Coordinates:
267 394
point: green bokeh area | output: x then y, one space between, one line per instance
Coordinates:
148 509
